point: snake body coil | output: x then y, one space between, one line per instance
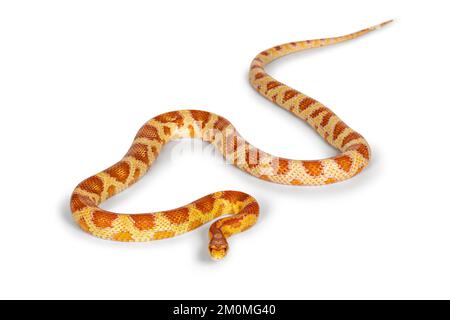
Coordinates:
242 208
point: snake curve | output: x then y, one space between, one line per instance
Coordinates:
243 209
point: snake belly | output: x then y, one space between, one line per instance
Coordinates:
242 209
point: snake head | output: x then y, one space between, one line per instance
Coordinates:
218 246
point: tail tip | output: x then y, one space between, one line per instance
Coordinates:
381 25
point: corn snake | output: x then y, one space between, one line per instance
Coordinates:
242 208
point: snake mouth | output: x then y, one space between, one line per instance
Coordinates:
218 253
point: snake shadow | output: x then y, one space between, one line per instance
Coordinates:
66 214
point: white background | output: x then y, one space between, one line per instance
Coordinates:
78 79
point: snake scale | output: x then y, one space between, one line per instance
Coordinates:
242 210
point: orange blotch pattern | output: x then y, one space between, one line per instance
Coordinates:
163 235
171 117
317 112
123 236
103 219
289 94
194 224
252 208
140 152
201 116
143 221
272 85
362 149
306 103
205 204
136 174
259 75
120 171
313 168
221 124
167 130
234 196
111 191
340 126
177 216
149 132
93 184
326 118
344 162
233 222
283 166
79 202
350 137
